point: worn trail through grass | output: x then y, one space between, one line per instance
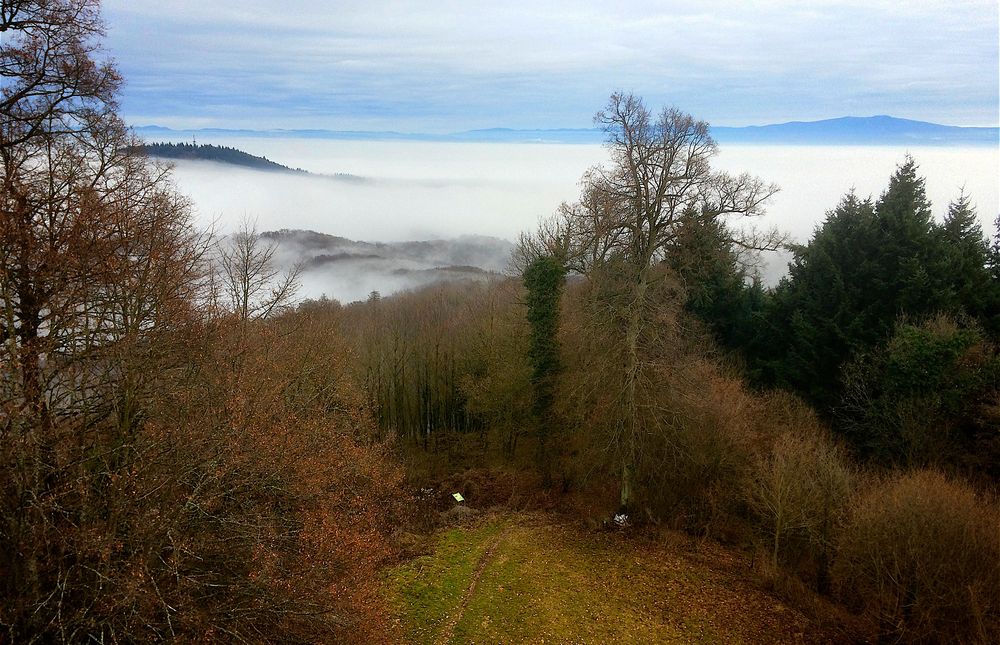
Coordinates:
449 629
532 578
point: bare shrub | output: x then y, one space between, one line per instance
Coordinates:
797 492
920 554
243 501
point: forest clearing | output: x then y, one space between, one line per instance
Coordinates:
508 577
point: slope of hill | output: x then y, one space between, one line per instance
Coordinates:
488 254
349 270
209 152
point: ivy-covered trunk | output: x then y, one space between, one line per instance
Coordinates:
543 279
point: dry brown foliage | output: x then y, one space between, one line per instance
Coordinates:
797 492
920 556
248 504
298 440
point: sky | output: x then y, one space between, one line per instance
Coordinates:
438 67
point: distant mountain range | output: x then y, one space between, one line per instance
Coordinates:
874 130
852 130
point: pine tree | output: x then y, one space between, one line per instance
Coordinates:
823 311
866 268
719 291
973 287
912 264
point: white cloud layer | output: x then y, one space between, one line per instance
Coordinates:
454 65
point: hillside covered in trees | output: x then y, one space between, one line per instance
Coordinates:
209 152
626 420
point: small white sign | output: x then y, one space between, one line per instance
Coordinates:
458 497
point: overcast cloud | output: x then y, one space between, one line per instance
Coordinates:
449 66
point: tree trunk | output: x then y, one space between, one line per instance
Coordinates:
631 421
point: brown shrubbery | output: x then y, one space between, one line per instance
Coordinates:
693 468
249 504
797 492
920 556
297 497
698 433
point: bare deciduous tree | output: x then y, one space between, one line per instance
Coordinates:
254 284
628 216
52 82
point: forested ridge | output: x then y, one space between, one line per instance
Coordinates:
210 152
189 452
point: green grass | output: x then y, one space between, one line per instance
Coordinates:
556 583
541 587
425 591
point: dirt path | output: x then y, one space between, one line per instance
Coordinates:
449 629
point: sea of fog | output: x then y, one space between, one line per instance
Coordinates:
410 190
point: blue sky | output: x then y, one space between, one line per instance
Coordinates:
458 65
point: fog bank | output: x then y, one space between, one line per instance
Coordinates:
428 190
